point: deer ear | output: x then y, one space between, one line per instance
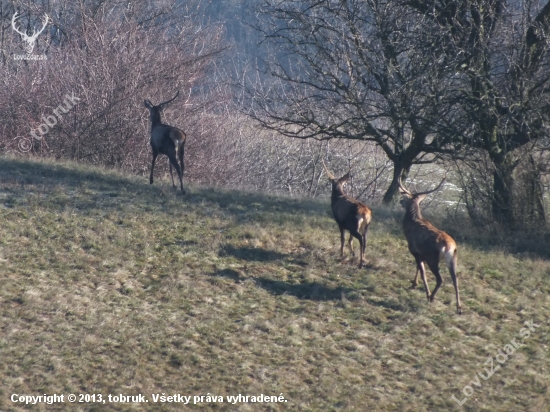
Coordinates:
148 104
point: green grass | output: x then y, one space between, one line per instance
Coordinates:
112 286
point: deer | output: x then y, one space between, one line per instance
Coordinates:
350 215
30 40
427 243
167 140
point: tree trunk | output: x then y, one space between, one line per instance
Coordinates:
517 194
503 196
528 196
400 169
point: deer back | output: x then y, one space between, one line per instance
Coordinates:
423 237
161 134
346 210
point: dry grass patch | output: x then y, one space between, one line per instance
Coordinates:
113 286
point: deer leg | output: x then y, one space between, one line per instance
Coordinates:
342 241
420 267
434 267
180 153
350 243
155 154
452 269
359 237
455 283
415 280
174 162
362 251
171 175
365 238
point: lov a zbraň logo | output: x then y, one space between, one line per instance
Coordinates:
29 39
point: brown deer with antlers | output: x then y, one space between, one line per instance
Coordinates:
350 214
167 140
427 243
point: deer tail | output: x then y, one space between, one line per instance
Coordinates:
451 259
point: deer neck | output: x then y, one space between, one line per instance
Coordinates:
337 193
155 120
413 213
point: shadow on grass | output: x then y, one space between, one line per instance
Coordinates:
251 254
250 206
52 174
229 274
16 173
307 290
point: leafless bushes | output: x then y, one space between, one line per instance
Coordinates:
110 55
239 154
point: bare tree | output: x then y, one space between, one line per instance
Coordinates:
358 70
499 51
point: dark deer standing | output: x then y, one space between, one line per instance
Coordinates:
167 140
350 214
427 243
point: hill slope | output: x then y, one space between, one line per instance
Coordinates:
112 286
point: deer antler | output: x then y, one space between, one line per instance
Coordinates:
403 189
13 19
34 33
168 101
433 190
408 192
330 175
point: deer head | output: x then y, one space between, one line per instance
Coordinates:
337 184
410 198
154 111
29 40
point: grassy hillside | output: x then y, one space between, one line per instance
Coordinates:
112 286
